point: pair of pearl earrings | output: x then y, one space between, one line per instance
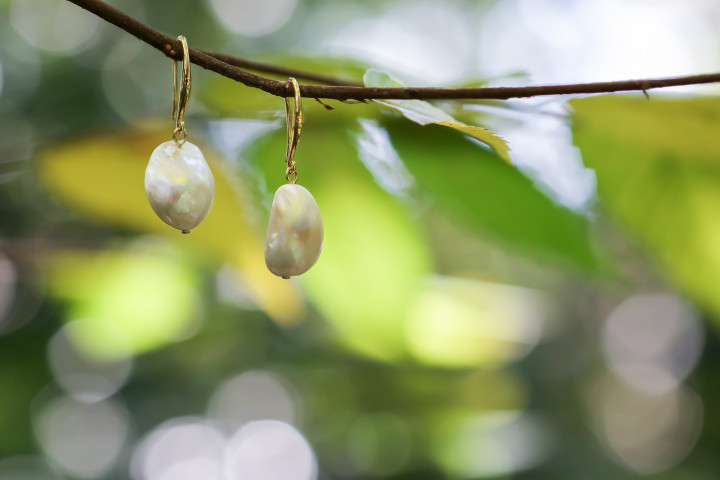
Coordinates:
180 187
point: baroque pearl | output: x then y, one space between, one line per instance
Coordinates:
179 185
295 232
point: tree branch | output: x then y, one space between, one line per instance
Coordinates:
340 89
280 70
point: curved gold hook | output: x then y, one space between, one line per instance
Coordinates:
294 130
180 104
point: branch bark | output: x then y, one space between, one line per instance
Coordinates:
341 89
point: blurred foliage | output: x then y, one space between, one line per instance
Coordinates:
455 325
367 236
477 188
98 177
97 286
658 174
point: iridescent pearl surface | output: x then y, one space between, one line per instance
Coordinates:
179 185
295 232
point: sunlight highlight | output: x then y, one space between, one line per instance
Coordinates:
270 450
84 377
83 439
126 301
460 323
253 395
56 27
251 18
491 445
652 342
180 449
648 433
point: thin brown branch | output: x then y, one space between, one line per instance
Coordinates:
280 70
339 89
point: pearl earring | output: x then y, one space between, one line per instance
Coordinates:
178 181
295 232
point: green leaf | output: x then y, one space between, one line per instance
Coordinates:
425 113
374 257
490 196
125 302
658 175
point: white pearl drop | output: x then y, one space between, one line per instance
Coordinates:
179 185
295 232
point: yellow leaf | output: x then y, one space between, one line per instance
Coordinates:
486 136
425 113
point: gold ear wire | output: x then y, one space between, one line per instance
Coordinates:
294 130
180 104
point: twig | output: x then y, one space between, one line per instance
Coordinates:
280 70
340 89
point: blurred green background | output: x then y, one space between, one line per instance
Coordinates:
551 319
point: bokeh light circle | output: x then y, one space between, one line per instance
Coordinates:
270 450
83 377
652 341
83 439
252 18
177 450
253 395
57 27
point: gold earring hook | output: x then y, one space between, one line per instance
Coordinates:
180 104
294 129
